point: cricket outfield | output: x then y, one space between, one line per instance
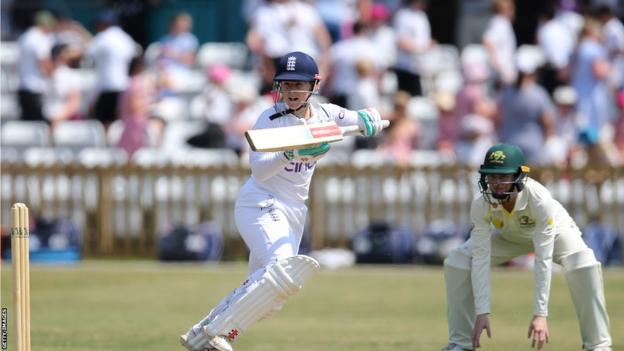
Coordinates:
140 305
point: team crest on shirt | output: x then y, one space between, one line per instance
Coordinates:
526 222
497 157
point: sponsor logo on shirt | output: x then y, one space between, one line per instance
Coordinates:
526 222
298 167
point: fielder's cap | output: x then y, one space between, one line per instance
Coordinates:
565 95
503 159
529 58
297 66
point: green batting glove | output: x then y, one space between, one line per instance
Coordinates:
308 154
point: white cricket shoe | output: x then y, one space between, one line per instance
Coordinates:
454 347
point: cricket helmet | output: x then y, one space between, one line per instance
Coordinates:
296 66
503 159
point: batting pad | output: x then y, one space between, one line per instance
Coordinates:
280 281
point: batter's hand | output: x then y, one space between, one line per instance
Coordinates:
481 323
538 328
370 122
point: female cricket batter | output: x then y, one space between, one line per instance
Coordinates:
270 209
513 216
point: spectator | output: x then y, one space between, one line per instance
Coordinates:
178 51
62 99
613 34
383 35
557 42
134 105
217 102
246 107
413 35
111 49
619 126
280 26
500 41
34 65
343 57
73 34
335 14
590 72
526 111
562 146
366 90
403 134
476 135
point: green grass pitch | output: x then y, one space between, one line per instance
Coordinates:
139 305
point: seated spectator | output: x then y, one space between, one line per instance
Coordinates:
62 100
246 108
216 98
619 126
74 35
562 146
476 134
404 133
366 91
178 51
135 104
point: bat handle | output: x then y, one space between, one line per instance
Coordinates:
355 130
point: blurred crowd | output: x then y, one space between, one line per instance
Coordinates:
561 99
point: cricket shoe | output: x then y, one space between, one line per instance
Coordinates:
203 342
602 348
454 347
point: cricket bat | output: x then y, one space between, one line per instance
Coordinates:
299 136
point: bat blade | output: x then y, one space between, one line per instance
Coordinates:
293 137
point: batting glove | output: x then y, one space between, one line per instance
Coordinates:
370 122
310 154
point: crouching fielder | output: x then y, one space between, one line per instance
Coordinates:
270 210
516 215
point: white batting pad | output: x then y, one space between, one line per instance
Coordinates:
280 280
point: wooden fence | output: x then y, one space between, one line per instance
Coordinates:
121 210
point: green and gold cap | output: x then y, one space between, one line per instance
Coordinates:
503 159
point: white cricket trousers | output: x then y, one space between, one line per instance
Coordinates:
582 272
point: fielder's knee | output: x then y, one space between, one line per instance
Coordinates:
580 259
457 259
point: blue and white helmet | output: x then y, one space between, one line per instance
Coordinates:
296 66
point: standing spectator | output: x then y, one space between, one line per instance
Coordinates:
590 72
34 65
178 51
62 99
613 34
280 26
413 35
526 111
111 49
366 90
134 106
500 41
383 35
343 57
557 42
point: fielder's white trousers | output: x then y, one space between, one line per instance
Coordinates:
583 275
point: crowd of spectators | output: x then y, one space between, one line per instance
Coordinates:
561 99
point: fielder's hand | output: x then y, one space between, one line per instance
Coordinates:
370 122
481 323
538 328
310 154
